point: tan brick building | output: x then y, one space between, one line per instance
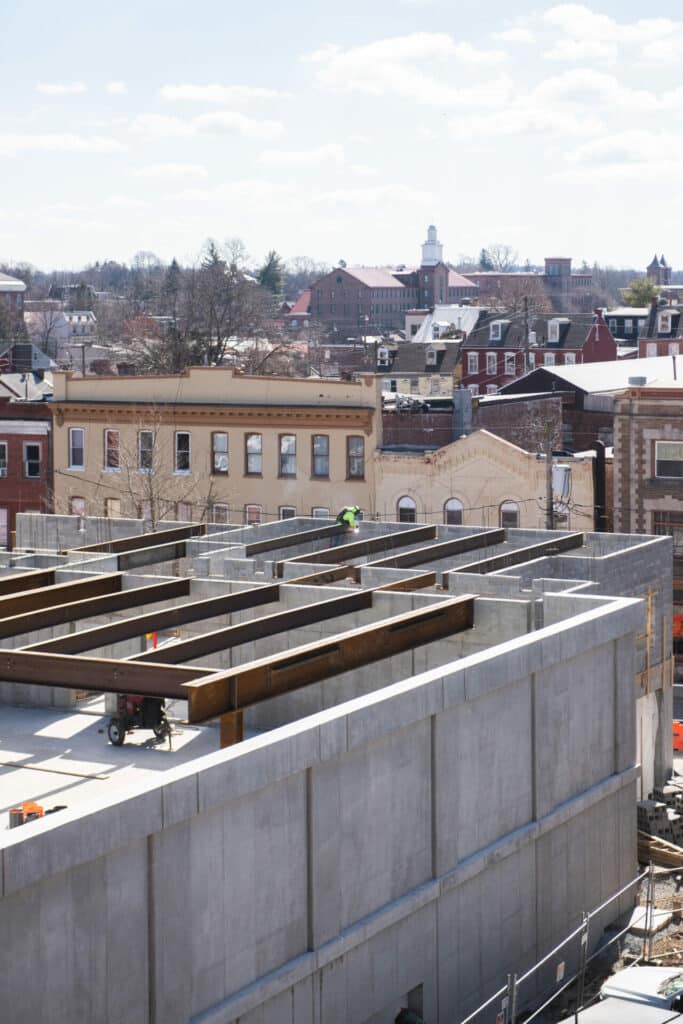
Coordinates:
212 443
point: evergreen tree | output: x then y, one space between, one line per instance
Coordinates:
640 292
485 261
272 273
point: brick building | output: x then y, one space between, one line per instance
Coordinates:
496 351
370 300
12 300
25 462
565 290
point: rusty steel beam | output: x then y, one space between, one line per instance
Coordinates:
518 555
164 618
72 643
419 582
60 593
444 549
144 540
360 548
256 629
28 580
99 675
234 689
323 576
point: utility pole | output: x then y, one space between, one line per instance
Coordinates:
526 335
549 506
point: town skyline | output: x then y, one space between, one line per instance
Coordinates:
342 135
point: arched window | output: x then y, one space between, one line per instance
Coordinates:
509 514
452 512
407 510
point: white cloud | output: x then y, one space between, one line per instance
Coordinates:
331 152
124 202
117 88
517 34
373 195
230 122
581 34
623 156
364 170
394 66
60 88
216 93
170 170
225 122
57 142
244 193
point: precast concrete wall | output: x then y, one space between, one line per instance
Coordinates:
419 842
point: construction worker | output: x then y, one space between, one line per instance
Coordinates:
348 517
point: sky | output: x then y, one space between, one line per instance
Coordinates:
340 130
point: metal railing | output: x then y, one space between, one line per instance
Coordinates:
502 1005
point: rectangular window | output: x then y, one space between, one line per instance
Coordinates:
491 364
253 514
549 359
112 508
287 455
287 512
219 453
77 506
355 458
491 389
664 323
221 514
673 348
31 461
76 448
510 364
3 458
182 451
628 326
146 450
320 455
254 452
569 358
183 512
112 449
473 362
473 389
669 458
320 513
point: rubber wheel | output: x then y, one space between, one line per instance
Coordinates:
116 732
162 730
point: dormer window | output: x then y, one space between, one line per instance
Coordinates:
431 357
553 332
435 330
495 331
664 323
382 357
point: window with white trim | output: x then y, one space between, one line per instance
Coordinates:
112 450
112 508
548 358
509 515
473 362
219 453
146 451
76 448
77 506
318 512
569 358
669 459
220 513
452 512
510 367
182 451
491 364
651 349
287 512
253 514
406 510
31 460
3 458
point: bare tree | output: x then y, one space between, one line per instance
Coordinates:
503 257
522 295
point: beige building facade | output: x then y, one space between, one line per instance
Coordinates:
213 444
482 480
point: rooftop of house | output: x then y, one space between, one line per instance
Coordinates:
572 330
599 378
11 284
439 357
